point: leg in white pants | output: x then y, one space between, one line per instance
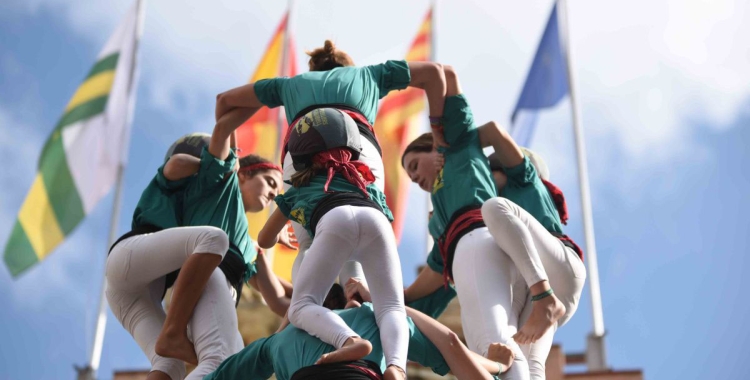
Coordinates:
362 234
531 246
492 295
213 327
369 156
135 273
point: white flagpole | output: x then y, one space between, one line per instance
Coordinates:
89 372
596 358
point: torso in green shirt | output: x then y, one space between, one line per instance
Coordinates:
160 202
298 203
286 352
526 189
358 87
465 180
435 304
213 198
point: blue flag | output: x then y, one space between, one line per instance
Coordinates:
546 83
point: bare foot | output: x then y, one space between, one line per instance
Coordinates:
394 373
501 354
544 314
177 346
355 348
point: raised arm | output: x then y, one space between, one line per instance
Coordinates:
492 134
430 77
460 360
233 108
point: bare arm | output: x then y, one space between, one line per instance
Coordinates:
181 166
459 358
269 235
270 287
492 134
239 97
430 77
427 282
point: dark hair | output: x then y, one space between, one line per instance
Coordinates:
422 144
336 299
328 58
303 177
252 159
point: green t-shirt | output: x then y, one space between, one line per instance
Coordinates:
358 87
298 203
160 201
434 304
466 179
286 352
526 189
213 198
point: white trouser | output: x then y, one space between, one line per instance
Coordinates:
369 156
136 270
213 326
492 295
518 234
362 234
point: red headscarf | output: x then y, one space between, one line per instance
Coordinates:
559 199
339 160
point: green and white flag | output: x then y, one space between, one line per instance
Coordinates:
80 160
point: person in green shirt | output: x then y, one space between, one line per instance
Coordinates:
219 194
333 198
291 353
142 264
334 81
527 216
459 180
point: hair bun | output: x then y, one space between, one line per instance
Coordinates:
329 47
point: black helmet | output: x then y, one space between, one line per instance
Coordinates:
319 130
191 144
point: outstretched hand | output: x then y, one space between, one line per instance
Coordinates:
287 237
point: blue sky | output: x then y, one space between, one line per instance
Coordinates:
664 92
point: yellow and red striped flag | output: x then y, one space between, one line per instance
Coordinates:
398 123
263 133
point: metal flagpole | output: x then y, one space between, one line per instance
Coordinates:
596 358
433 55
89 372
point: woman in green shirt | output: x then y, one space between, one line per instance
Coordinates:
334 81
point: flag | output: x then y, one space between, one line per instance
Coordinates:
263 133
397 124
546 83
79 162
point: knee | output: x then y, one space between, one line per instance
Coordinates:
213 240
173 368
496 209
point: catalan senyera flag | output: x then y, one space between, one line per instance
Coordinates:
397 124
80 160
263 133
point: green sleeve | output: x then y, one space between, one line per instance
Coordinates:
391 75
269 91
522 174
250 363
422 351
251 269
212 171
458 123
434 304
435 259
282 202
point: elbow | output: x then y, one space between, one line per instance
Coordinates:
265 241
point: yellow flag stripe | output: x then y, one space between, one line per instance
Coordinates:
38 220
92 88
